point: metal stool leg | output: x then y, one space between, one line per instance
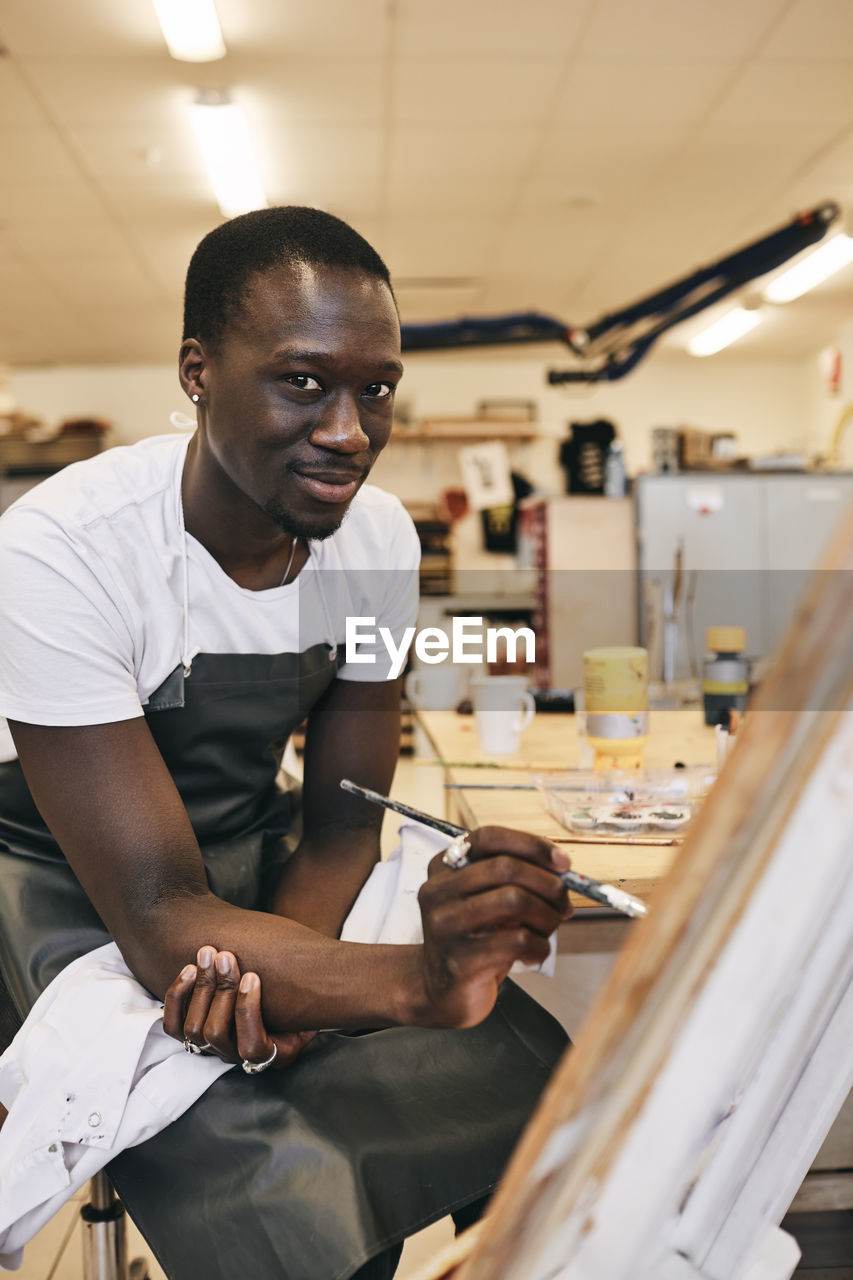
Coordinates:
104 1239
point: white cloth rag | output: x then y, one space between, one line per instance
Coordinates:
92 1072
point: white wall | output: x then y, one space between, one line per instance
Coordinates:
136 399
771 405
829 405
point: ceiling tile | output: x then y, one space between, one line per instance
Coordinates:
81 29
526 292
458 169
350 199
31 153
38 315
596 194
620 93
49 200
329 27
748 142
166 243
597 168
436 246
450 151
17 104
469 91
681 130
38 345
667 29
308 89
462 194
835 161
103 282
715 170
135 337
16 282
120 90
51 241
807 193
794 332
666 240
321 165
481 28
813 29
153 151
565 143
790 93
548 245
775 211
163 203
733 157
420 305
602 167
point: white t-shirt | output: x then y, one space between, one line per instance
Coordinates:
92 586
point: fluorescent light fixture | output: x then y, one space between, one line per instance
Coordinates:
191 29
733 325
226 147
813 269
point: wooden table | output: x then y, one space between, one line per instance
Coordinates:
551 743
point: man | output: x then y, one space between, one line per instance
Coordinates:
171 612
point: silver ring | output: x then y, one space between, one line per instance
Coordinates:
192 1047
255 1068
456 853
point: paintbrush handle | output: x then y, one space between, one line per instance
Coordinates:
457 855
407 810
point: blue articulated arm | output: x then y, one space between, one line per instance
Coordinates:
484 331
612 346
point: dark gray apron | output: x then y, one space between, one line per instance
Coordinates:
367 1137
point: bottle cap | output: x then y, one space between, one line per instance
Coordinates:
726 639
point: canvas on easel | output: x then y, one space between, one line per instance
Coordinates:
674 1135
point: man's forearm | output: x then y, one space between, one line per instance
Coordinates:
324 876
308 980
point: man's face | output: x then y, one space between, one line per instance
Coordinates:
299 396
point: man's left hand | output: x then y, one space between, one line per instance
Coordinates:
211 1005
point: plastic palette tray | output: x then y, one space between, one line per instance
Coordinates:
646 806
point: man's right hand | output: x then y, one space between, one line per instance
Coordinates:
480 919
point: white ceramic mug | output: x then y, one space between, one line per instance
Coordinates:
437 688
503 709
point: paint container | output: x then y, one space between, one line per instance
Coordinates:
586 757
725 678
616 692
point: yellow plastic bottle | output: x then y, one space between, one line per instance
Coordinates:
616 692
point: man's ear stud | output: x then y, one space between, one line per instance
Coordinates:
195 399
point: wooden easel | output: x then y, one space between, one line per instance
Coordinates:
675 1134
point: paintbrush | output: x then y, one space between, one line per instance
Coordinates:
457 855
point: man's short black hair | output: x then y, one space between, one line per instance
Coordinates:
228 257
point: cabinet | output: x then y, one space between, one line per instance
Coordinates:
748 546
